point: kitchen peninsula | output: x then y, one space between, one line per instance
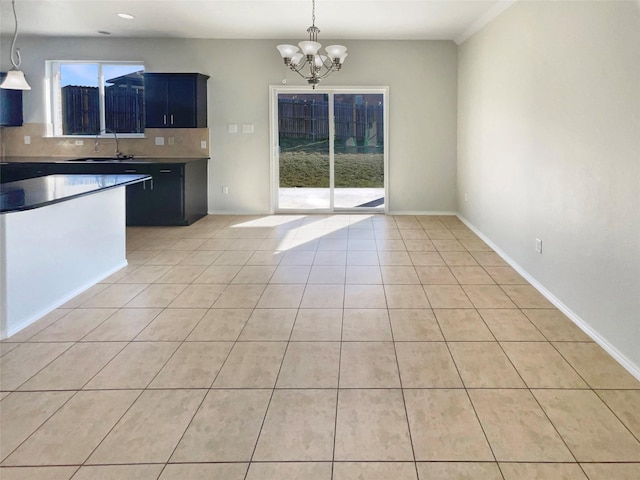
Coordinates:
59 235
177 195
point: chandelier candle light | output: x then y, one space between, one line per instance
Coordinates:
320 66
15 78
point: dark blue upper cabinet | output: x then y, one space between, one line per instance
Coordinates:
10 106
175 100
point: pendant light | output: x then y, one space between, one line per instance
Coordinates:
15 78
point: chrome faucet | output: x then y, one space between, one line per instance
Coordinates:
117 153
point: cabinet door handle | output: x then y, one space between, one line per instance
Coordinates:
165 171
172 119
164 119
133 170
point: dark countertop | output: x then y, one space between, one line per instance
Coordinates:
135 159
41 191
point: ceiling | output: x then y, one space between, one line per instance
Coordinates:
253 19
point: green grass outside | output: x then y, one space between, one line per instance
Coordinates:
311 170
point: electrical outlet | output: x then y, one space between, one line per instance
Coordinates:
27 140
203 144
171 140
538 245
159 141
79 142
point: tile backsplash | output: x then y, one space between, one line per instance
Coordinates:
178 142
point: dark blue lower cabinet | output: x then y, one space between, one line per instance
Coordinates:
177 195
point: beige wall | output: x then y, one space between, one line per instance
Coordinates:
549 147
421 76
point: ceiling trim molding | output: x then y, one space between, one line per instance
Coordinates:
484 20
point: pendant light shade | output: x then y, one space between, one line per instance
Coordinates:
15 81
336 51
309 48
287 51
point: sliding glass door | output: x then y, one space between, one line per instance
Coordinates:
358 149
304 152
329 150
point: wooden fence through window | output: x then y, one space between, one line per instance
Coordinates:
309 119
124 110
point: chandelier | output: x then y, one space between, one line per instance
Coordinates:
309 64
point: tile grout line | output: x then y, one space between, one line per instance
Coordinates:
195 413
113 426
404 400
335 422
594 390
529 390
486 437
273 390
464 387
17 388
555 428
2 459
624 424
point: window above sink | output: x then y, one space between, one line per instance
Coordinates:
96 98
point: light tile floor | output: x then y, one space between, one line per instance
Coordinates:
313 347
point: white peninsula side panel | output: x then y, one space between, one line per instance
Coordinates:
52 253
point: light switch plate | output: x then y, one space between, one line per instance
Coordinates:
538 245
159 140
232 128
247 128
203 144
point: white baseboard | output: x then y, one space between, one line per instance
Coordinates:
622 359
422 213
351 212
238 212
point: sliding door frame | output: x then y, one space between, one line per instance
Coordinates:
274 179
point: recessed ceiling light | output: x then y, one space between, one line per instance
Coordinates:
102 32
126 16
